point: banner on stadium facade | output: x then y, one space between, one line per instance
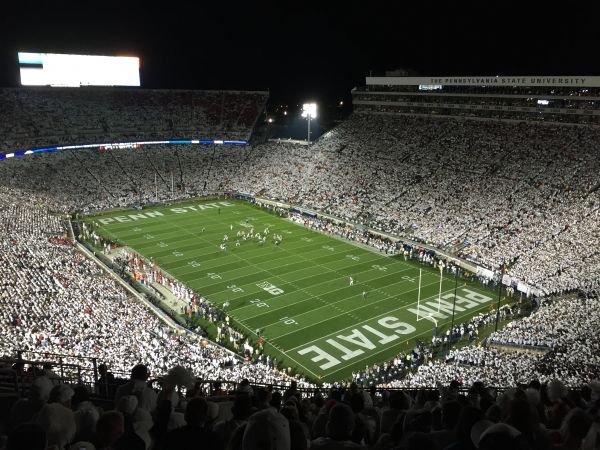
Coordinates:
266 201
244 196
522 287
530 80
487 273
122 145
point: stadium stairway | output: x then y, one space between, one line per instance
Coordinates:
127 175
93 175
154 167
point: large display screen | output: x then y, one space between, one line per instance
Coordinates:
52 69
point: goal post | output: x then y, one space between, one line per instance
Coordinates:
440 290
429 311
419 298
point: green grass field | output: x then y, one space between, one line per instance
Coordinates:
298 293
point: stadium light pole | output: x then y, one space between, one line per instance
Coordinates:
309 111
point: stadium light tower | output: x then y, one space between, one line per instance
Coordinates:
309 111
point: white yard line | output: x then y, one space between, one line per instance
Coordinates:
388 296
364 321
215 268
288 356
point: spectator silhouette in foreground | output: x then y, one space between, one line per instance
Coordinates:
340 425
138 386
28 436
195 435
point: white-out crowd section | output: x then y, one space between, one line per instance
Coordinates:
521 194
567 326
55 300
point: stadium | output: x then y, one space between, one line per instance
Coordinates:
426 269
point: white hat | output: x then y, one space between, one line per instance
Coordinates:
64 393
478 429
267 429
213 410
43 386
500 428
59 423
82 445
127 404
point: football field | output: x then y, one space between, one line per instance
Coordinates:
298 293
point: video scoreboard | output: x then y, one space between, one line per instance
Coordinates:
53 69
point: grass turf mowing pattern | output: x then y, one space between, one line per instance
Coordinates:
319 324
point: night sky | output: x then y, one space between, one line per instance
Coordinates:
300 50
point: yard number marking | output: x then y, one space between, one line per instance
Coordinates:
235 288
259 303
270 288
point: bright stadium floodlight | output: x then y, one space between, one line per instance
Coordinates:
309 111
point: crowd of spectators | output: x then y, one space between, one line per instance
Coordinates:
53 300
497 193
529 416
45 116
555 342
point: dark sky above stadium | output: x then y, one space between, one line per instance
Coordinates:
302 49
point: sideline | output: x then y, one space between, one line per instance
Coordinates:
171 323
